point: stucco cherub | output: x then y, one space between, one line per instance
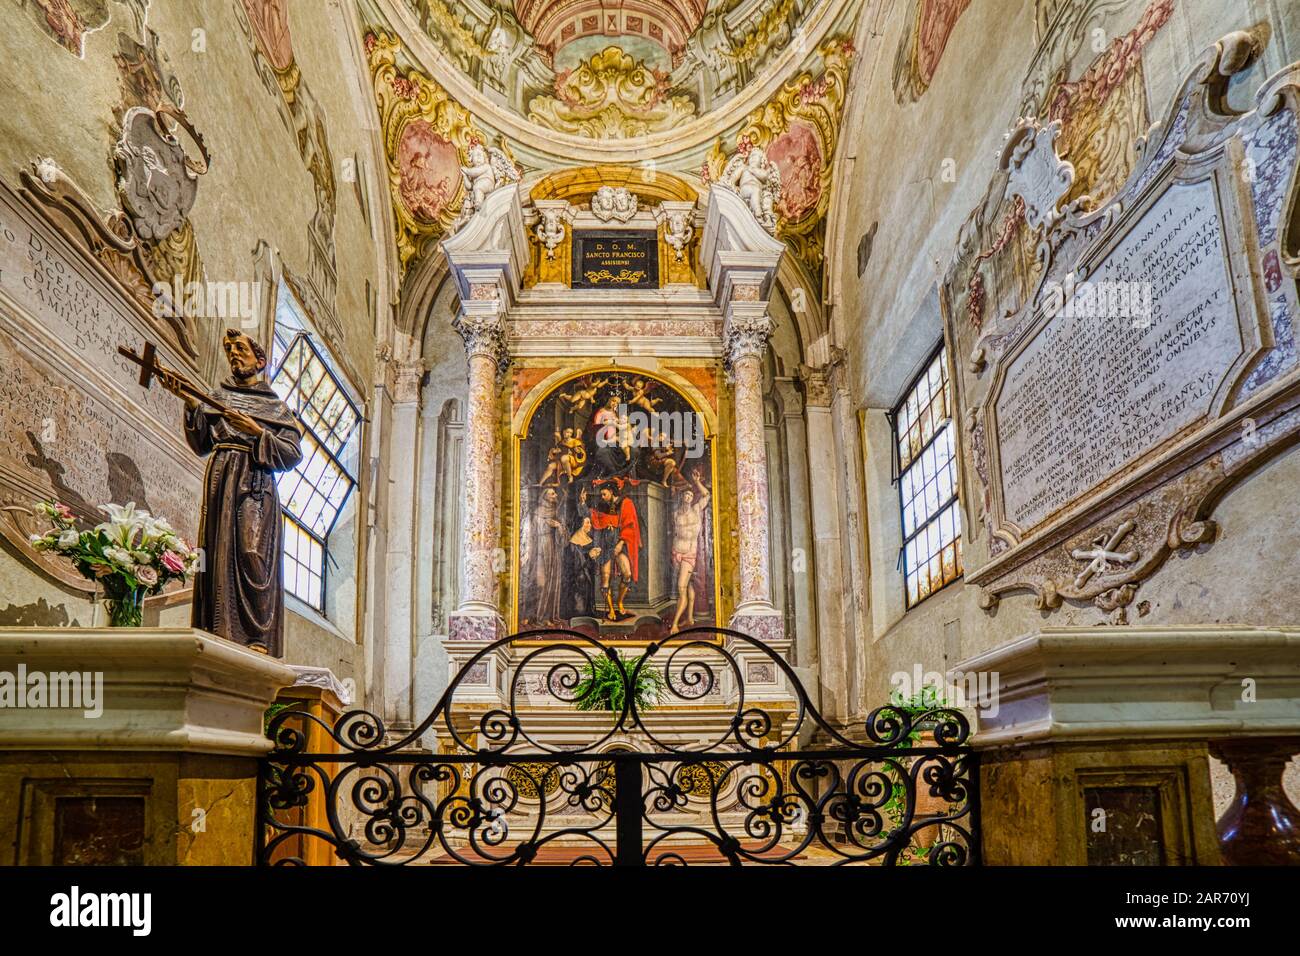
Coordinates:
488 169
756 179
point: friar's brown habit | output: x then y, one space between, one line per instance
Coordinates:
240 593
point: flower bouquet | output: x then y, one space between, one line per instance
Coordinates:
131 555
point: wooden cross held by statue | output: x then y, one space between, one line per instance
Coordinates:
150 366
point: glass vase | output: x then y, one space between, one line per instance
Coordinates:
125 610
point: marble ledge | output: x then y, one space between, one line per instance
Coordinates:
1138 682
157 689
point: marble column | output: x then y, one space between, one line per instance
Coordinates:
848 463
745 336
480 325
802 577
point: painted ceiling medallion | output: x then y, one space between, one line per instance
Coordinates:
781 165
611 96
432 146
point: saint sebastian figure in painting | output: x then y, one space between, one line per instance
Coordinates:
239 594
618 535
688 522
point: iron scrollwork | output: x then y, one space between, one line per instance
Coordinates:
713 775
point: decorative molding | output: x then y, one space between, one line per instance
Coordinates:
427 138
402 380
796 132
322 677
553 215
677 224
816 386
612 95
1035 173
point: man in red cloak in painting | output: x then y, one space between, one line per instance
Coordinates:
618 535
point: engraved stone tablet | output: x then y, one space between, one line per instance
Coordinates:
75 425
1136 355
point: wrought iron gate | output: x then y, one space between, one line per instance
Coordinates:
734 766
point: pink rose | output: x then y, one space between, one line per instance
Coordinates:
146 576
173 562
64 512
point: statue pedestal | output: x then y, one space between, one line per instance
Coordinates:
130 745
1097 752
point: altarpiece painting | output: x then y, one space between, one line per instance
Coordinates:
616 512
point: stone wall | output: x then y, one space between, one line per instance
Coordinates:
914 220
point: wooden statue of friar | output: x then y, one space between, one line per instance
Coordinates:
251 435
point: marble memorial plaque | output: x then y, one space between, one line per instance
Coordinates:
74 422
43 277
1134 357
1151 361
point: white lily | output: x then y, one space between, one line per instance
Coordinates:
123 522
156 529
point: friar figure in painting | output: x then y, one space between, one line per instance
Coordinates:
545 561
239 594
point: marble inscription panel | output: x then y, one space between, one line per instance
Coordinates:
1132 359
42 277
57 439
63 433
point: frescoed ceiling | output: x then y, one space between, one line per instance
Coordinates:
613 69
687 87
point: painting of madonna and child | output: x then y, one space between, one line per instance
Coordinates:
616 516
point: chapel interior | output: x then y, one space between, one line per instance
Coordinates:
801 358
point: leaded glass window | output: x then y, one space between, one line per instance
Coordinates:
316 491
926 444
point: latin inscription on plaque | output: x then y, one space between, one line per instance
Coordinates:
62 433
1131 360
615 260
43 278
